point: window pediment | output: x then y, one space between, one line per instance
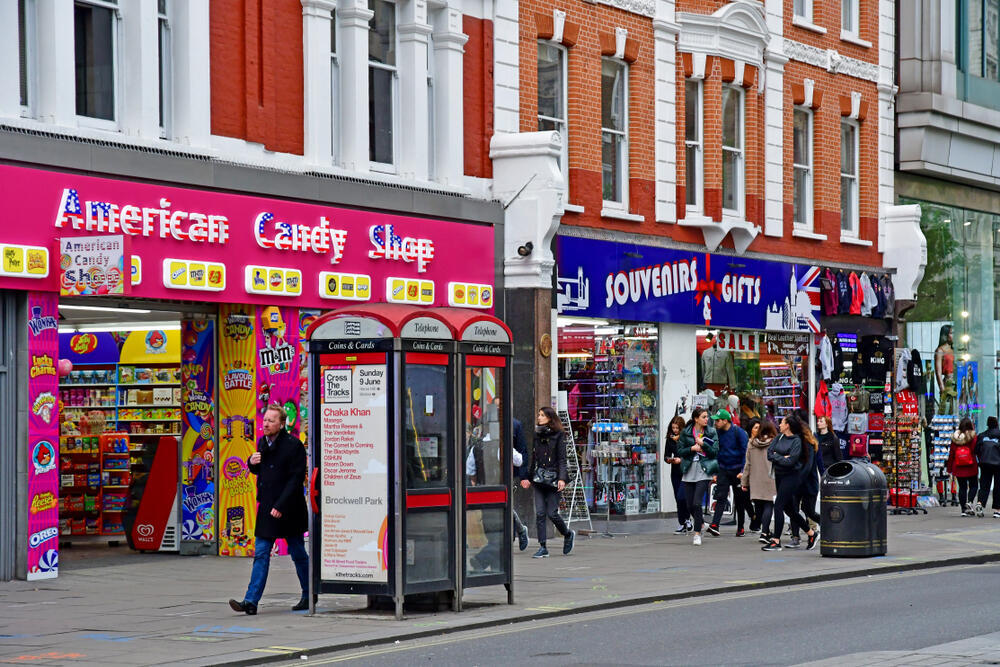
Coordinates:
737 30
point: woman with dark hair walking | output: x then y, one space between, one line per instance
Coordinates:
674 430
697 449
808 492
963 465
548 476
757 476
787 458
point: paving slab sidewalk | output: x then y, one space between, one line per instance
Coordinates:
151 609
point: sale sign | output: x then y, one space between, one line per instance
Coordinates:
92 265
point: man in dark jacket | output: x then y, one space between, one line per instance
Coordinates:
280 466
988 454
520 472
732 457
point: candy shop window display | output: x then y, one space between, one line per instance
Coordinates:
610 374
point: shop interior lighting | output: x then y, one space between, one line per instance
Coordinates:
570 321
105 309
967 223
121 326
574 355
966 356
965 338
965 313
769 364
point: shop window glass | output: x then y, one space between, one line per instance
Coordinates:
802 9
381 82
334 88
849 16
426 415
483 426
163 37
610 375
22 48
94 44
849 178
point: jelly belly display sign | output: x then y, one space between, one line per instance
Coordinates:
237 435
43 436
92 266
198 442
625 281
354 449
208 246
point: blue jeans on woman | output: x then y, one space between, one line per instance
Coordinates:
262 563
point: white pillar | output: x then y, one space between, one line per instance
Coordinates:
411 63
665 92
678 379
886 111
449 97
774 122
191 116
56 62
506 67
140 60
10 81
317 83
354 16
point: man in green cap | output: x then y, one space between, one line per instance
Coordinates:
732 442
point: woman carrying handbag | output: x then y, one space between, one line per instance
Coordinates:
548 476
697 449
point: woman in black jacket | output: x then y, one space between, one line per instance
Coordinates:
829 444
670 456
808 493
787 460
548 476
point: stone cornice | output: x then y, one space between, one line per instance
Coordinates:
831 61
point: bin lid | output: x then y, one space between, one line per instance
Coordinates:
854 474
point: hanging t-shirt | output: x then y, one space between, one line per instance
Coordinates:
879 289
890 296
843 294
838 407
828 292
915 373
857 293
876 358
857 423
876 401
838 359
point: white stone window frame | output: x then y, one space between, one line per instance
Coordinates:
850 20
165 66
806 13
430 108
116 60
854 224
30 45
335 111
622 162
389 167
738 151
697 189
564 103
808 168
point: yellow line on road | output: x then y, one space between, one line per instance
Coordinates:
608 613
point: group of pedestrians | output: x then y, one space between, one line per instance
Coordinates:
974 461
772 473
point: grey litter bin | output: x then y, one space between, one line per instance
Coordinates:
852 509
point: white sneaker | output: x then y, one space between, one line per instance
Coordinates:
996 515
979 509
696 540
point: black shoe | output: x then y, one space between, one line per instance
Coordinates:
713 530
303 602
522 538
764 538
568 542
812 540
771 546
541 553
248 608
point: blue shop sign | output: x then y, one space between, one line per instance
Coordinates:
631 282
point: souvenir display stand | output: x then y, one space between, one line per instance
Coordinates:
942 426
610 462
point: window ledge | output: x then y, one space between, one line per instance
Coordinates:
854 39
807 234
574 208
803 22
621 214
853 240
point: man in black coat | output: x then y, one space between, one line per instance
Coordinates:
280 466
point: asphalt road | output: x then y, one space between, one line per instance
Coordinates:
767 627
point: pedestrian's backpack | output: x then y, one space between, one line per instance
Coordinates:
857 447
963 456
